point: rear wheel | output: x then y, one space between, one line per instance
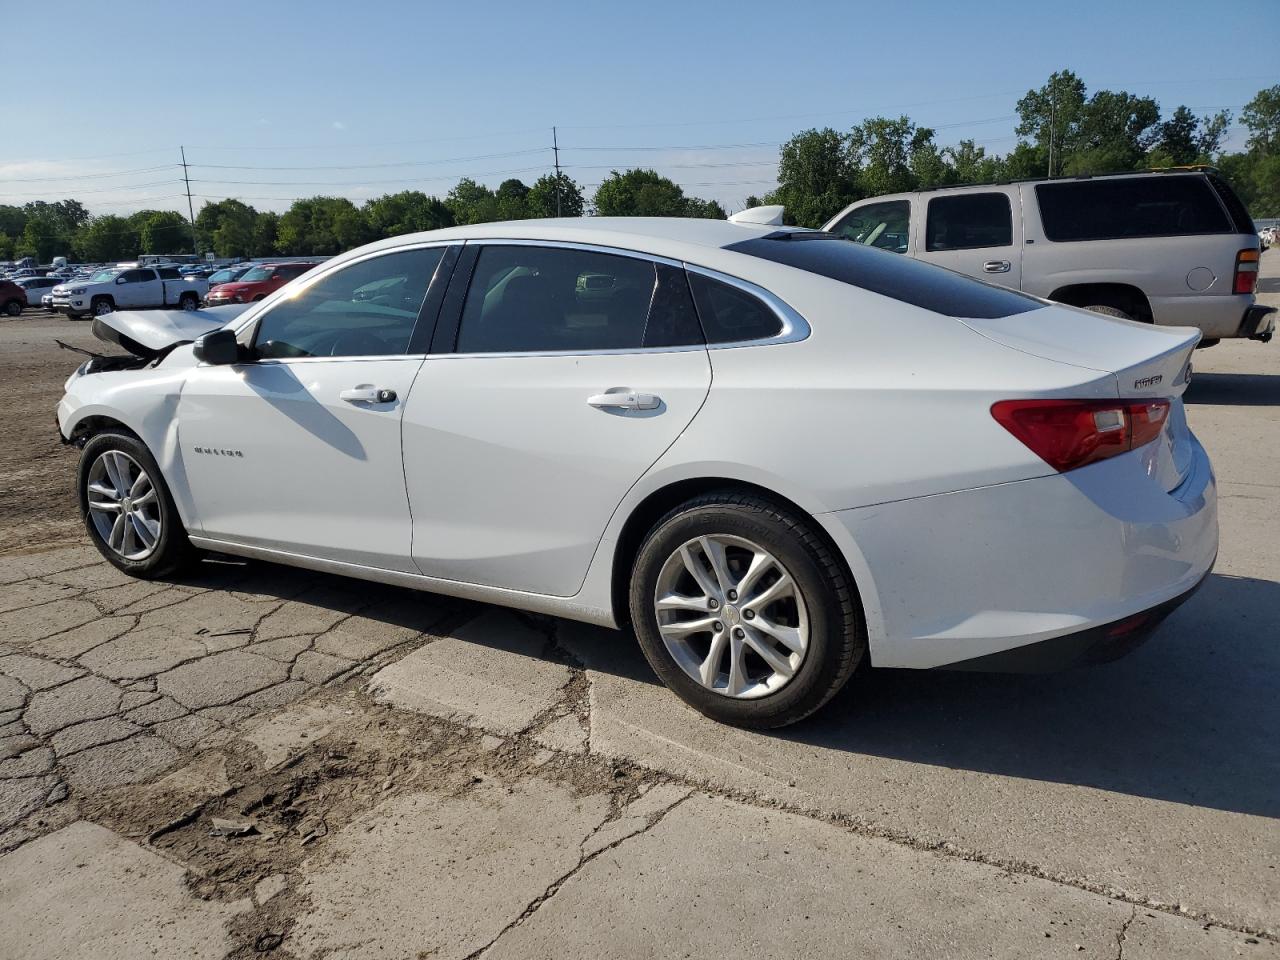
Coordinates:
13 308
189 301
128 510
744 611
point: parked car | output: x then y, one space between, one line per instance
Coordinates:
12 298
229 274
46 301
488 424
256 283
37 287
128 288
1173 248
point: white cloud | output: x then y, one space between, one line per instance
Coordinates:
339 125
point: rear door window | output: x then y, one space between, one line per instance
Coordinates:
968 221
1125 207
884 225
532 299
731 315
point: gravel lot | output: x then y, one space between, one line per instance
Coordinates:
260 760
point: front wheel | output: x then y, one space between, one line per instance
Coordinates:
744 611
127 508
13 308
101 306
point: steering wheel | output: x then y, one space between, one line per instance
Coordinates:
357 343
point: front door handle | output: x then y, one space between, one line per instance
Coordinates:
996 266
623 399
367 394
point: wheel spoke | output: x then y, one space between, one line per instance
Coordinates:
140 485
790 637
685 628
775 591
737 668
761 563
714 551
116 538
142 530
110 464
104 506
102 490
776 661
709 671
147 498
675 601
698 572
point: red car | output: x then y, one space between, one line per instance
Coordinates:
12 298
256 284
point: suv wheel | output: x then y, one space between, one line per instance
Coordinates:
1109 311
744 612
101 306
127 508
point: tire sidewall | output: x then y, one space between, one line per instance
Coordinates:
808 689
173 548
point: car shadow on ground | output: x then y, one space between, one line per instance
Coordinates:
1190 717
1235 389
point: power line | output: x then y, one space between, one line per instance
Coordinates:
89 176
371 166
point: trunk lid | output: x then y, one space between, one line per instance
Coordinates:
1146 361
151 333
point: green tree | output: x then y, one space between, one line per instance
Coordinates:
639 193
13 220
817 177
6 246
472 202
106 239
1115 133
233 237
265 226
1179 139
164 231
541 200
410 211
704 209
512 196
1262 116
969 163
882 149
1051 118
321 226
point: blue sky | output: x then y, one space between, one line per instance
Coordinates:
279 100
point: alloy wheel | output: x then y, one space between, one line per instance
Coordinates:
731 616
101 308
123 505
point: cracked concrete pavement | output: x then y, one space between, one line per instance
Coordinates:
255 760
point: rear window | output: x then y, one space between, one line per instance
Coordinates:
1159 206
968 221
901 278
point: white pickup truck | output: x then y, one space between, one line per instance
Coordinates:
127 287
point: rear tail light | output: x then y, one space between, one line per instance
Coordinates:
1246 272
1067 434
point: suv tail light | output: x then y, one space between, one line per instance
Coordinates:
1246 272
1067 434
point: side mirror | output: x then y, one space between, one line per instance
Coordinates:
120 280
218 347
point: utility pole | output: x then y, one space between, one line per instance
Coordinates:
191 211
555 146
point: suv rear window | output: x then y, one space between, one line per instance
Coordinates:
1157 206
901 278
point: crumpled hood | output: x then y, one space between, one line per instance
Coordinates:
148 333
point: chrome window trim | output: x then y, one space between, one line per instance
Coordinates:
794 326
253 314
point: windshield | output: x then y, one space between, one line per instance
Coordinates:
222 276
102 276
258 273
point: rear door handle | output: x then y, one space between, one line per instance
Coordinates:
996 266
621 399
367 394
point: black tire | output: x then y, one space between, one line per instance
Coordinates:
1109 311
172 551
837 641
188 298
13 308
101 305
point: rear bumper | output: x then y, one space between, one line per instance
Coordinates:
1217 316
1259 323
1111 641
962 576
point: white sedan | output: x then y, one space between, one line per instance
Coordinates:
771 452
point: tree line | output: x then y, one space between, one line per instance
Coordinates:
1062 130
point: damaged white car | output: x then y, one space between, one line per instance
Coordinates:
772 452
